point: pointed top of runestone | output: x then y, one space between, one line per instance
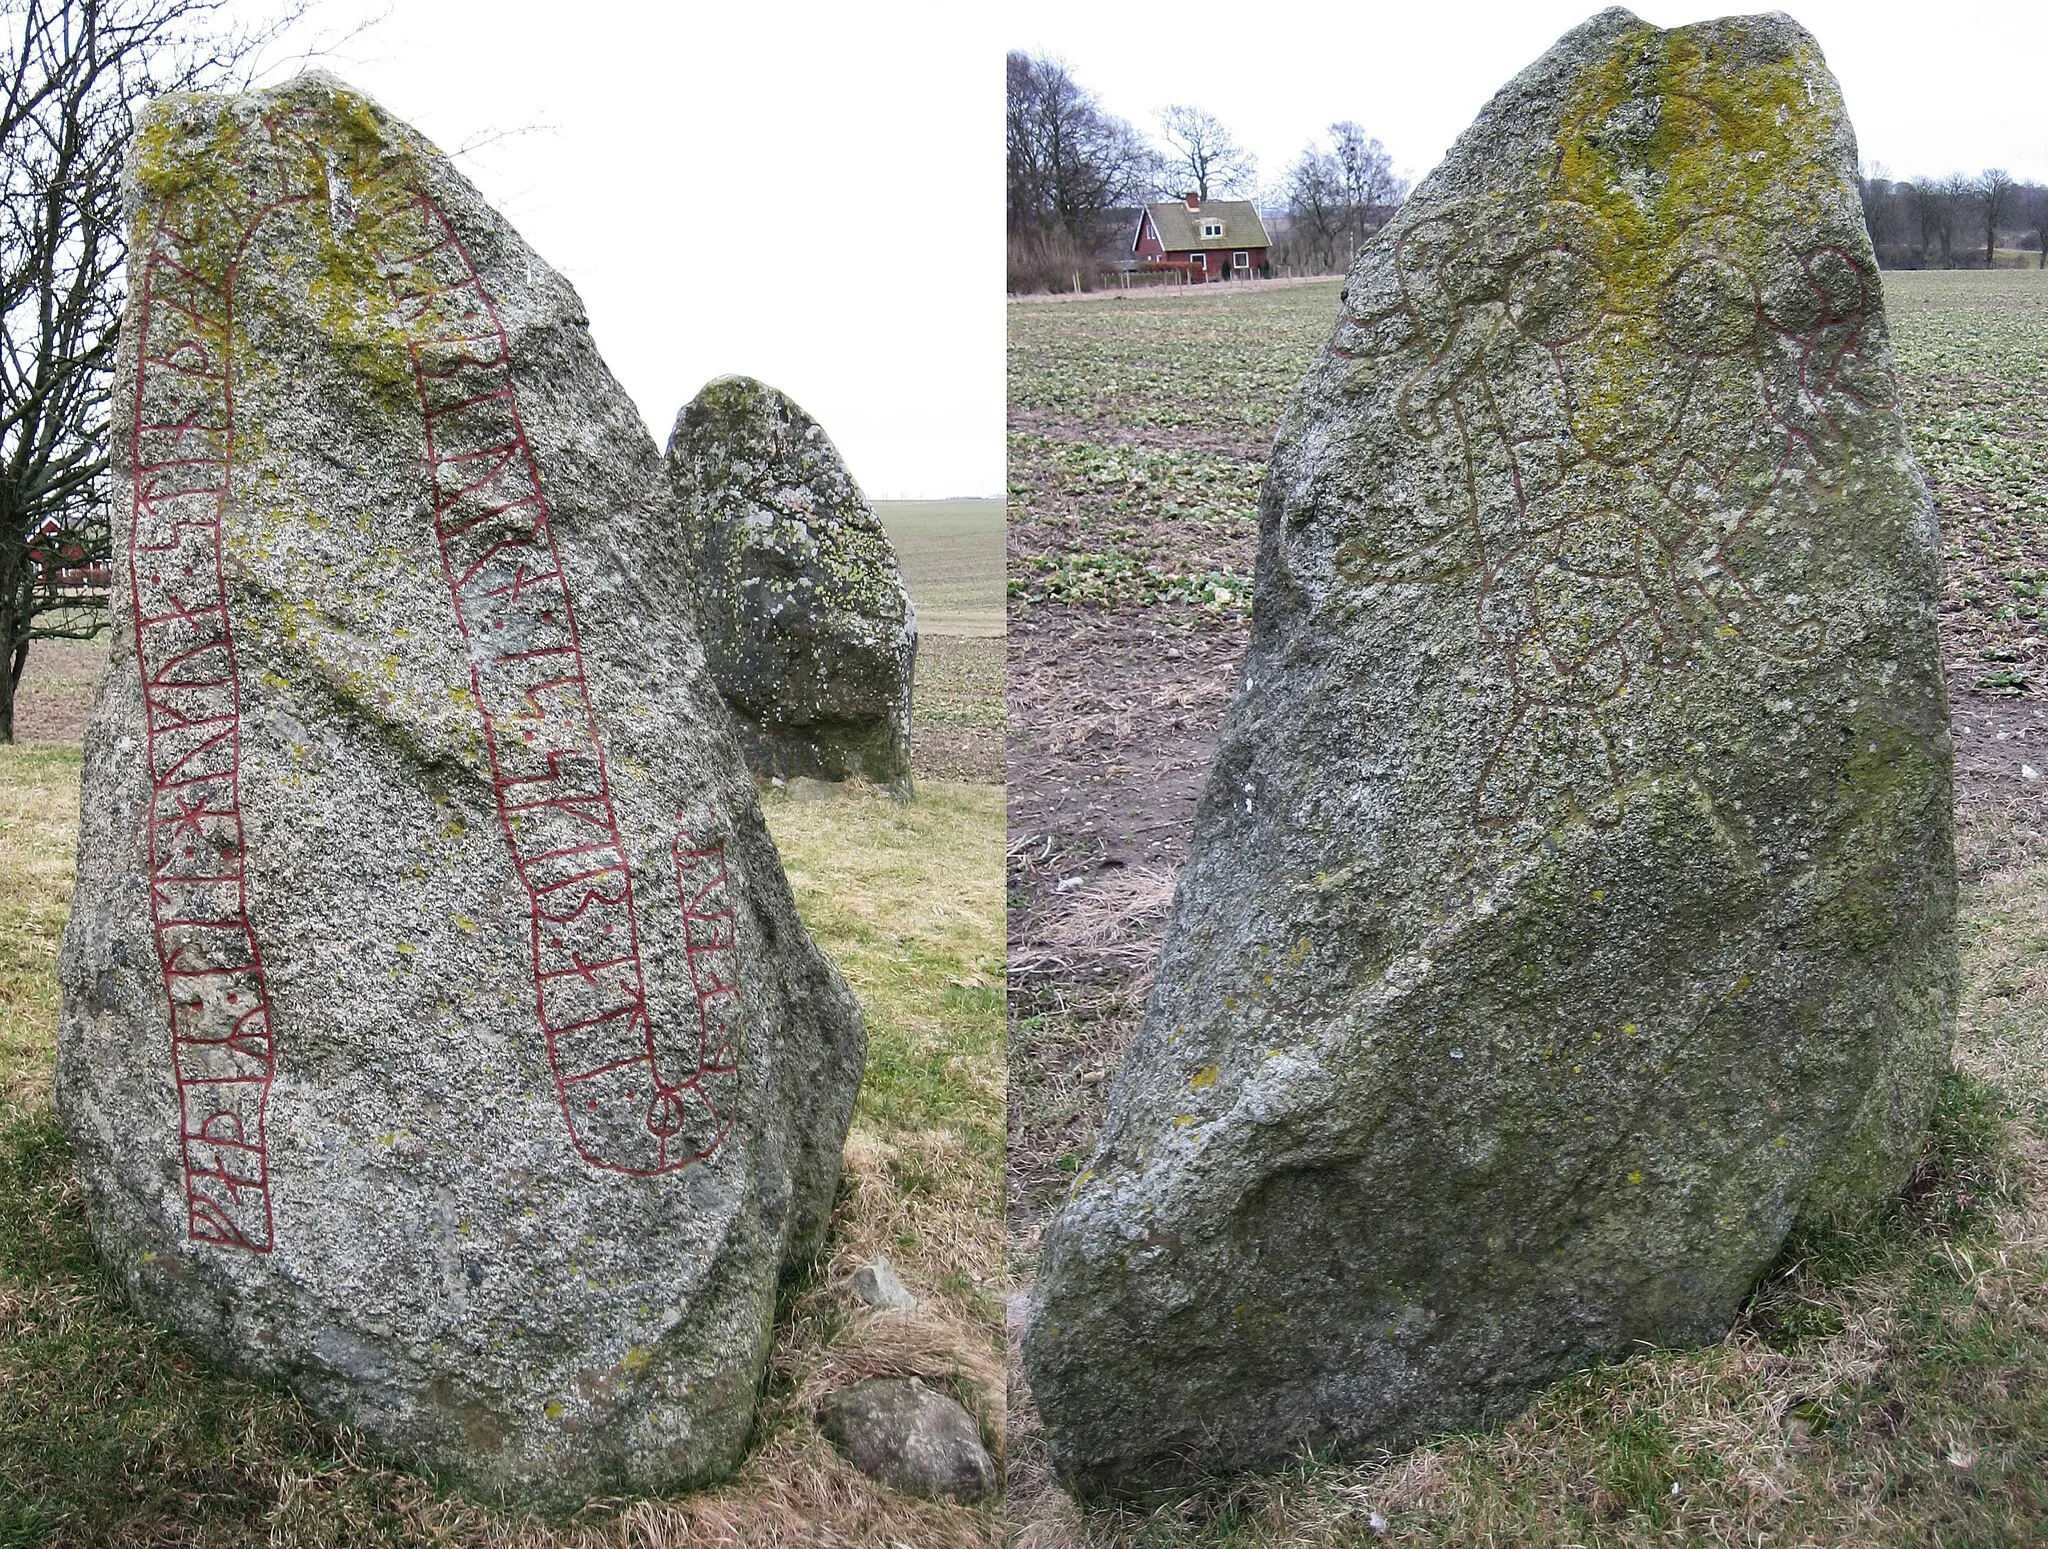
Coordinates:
811 634
1569 910
439 1035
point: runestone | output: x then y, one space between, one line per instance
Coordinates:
439 1036
1570 908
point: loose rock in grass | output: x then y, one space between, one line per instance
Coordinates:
878 1285
902 1433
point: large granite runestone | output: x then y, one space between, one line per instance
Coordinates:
811 635
1569 912
439 1037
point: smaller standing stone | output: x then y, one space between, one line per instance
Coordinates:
877 1285
811 634
906 1436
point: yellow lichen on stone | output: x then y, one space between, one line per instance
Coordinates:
1720 141
1674 150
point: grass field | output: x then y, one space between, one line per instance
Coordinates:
111 1435
1889 1383
951 553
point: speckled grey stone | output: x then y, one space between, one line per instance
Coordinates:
811 635
439 1037
1570 907
878 1285
900 1432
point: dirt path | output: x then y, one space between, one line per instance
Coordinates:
56 690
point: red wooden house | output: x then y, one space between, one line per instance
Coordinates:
1214 239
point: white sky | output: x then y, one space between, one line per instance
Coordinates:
807 193
700 171
1957 85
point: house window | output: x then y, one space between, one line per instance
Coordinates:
1211 229
1201 260
1240 260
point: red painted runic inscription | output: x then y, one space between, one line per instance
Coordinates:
637 1099
182 443
714 952
634 1102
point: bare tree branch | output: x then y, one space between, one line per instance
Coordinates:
256 67
1339 195
485 138
1068 161
1203 150
72 74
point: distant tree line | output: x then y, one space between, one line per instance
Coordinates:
1078 175
1954 222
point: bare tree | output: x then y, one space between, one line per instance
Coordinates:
1926 196
1339 195
1068 161
1366 179
1204 150
1315 208
1938 202
1997 188
1874 189
2037 222
72 74
1950 192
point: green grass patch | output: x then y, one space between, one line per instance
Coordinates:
1139 487
1220 365
908 895
1116 580
1130 525
959 682
38 829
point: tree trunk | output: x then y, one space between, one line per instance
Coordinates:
17 604
10 680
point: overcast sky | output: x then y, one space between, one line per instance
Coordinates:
807 193
1957 85
811 193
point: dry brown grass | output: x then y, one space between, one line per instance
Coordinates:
1111 921
38 825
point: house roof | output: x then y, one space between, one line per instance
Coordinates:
1180 229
